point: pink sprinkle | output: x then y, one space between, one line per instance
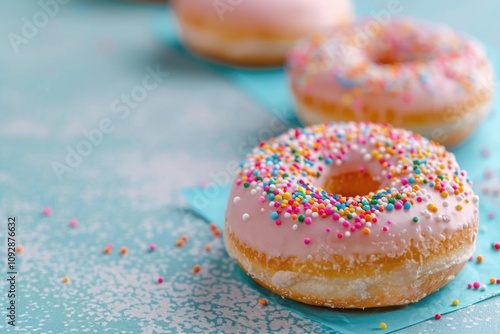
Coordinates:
73 222
308 220
419 199
361 170
336 216
398 205
357 104
345 224
278 222
389 221
328 229
238 182
203 184
389 176
262 199
307 241
47 211
385 228
491 215
339 235
407 98
469 286
498 280
160 280
476 285
262 210
152 246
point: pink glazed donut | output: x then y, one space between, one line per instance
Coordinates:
351 215
254 32
416 75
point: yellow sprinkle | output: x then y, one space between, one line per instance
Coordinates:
383 325
65 279
444 194
493 280
459 207
455 302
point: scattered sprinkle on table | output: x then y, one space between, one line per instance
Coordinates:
19 249
455 302
208 248
47 211
437 316
65 279
123 250
160 280
263 301
152 246
479 258
73 222
196 269
383 325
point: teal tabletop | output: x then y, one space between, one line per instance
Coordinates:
110 131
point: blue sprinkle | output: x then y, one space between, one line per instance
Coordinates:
390 206
407 206
274 215
271 197
346 83
328 161
411 180
366 207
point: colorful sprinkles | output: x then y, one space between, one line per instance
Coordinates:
288 173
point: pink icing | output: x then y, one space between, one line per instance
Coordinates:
282 16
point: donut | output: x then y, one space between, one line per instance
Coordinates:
417 75
351 215
256 32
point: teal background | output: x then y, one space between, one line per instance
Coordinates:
128 190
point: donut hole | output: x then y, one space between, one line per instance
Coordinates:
393 58
351 184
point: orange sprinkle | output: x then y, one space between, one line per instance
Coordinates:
493 280
208 248
180 243
263 301
216 233
479 259
366 231
19 249
184 238
213 226
107 249
196 269
123 250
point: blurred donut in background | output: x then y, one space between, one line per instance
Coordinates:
256 32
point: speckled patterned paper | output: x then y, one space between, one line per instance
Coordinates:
62 84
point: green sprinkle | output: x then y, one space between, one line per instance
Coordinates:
301 218
246 184
415 219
